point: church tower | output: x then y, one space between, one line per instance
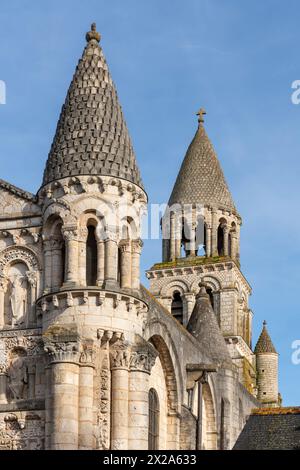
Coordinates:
92 199
201 244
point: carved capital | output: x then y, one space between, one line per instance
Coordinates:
70 233
120 356
32 278
62 351
137 246
88 354
143 357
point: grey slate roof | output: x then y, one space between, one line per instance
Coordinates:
276 430
204 327
264 343
91 135
201 179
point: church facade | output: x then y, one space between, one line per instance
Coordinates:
90 358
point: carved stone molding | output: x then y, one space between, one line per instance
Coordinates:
18 253
88 354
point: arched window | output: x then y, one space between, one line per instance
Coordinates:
177 306
153 426
211 296
91 257
201 237
220 241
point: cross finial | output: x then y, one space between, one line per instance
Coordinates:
200 115
93 34
264 323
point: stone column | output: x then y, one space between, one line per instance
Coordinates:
226 236
86 398
189 305
3 287
71 269
47 248
141 362
32 280
111 261
125 268
100 262
119 358
233 244
3 386
172 237
208 241
63 380
136 247
82 238
214 233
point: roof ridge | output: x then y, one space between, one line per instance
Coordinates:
17 191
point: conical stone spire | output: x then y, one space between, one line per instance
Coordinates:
201 179
204 327
264 343
91 136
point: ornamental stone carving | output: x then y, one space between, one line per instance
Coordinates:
22 254
63 351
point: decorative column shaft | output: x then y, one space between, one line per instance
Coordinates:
71 270
141 362
136 247
214 233
119 398
3 387
64 382
86 398
226 241
172 237
189 305
125 268
111 261
3 287
208 241
47 246
100 262
83 234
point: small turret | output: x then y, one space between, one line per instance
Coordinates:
267 369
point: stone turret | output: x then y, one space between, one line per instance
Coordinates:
92 199
267 369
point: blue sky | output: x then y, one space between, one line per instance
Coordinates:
168 58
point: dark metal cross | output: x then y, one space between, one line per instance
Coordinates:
201 113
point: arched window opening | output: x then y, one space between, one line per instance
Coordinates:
211 296
153 426
177 306
91 257
185 239
201 238
220 241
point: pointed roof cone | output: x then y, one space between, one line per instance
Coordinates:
201 179
91 136
204 327
264 343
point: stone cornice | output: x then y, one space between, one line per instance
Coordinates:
195 266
